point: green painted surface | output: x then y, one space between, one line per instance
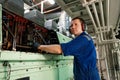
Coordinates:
37 70
36 66
62 38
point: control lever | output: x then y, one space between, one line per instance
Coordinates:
14 39
39 34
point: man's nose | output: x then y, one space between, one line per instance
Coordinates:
73 26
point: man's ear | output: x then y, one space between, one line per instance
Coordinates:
84 26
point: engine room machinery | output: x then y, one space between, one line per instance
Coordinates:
19 61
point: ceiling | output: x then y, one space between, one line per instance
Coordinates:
46 6
98 14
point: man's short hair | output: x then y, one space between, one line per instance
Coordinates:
83 24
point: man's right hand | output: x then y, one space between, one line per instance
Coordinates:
36 45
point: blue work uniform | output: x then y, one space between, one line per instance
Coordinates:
83 50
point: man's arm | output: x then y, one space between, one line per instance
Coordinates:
56 49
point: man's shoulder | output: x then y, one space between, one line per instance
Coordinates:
87 36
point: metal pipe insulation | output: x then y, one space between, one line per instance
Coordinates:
42 7
105 47
35 5
51 10
117 25
102 15
106 41
90 14
107 11
106 61
96 15
109 41
97 18
103 22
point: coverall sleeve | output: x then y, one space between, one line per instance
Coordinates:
73 47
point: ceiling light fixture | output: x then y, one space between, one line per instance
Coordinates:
51 1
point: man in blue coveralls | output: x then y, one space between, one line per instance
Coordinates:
82 48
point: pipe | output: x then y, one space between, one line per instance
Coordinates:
35 5
46 12
105 42
98 21
116 46
109 41
117 25
96 15
42 6
87 2
107 66
90 14
108 10
103 22
103 49
114 40
107 51
102 15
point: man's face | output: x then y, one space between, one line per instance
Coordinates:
76 27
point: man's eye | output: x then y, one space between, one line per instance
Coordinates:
75 24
